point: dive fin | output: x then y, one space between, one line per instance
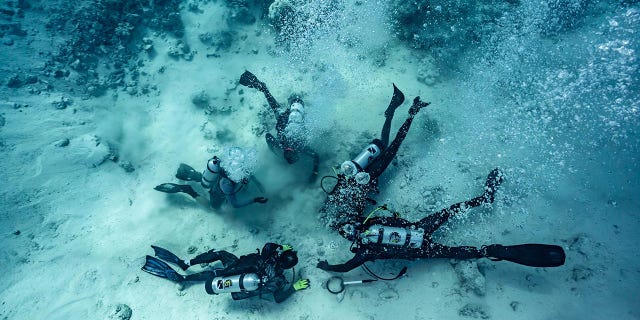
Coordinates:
175 188
159 268
396 101
248 79
533 255
167 255
188 173
168 188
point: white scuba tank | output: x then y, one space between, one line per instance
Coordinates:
396 236
362 161
210 174
296 114
236 283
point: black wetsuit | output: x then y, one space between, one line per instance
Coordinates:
347 200
369 251
264 264
282 142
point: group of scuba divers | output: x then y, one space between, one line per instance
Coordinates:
373 238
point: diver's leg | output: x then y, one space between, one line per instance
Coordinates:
494 179
187 173
383 161
316 162
212 256
396 101
200 276
248 79
434 221
437 250
272 142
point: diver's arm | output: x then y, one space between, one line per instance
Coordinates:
282 295
233 200
229 190
236 270
355 262
316 163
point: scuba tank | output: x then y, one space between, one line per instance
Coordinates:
395 236
296 114
236 283
359 163
210 173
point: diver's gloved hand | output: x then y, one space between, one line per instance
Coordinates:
323 264
260 200
301 284
286 247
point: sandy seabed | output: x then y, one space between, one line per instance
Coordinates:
78 217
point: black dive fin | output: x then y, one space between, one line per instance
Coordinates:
396 101
159 268
175 188
533 255
167 255
188 173
168 188
248 79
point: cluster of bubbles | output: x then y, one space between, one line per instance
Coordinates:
568 94
239 163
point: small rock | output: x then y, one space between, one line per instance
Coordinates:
472 310
63 103
61 73
200 99
127 166
15 81
389 294
580 273
17 232
62 143
121 312
31 79
514 305
470 277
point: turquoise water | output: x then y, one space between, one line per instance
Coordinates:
101 101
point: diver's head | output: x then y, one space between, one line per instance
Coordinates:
291 155
288 259
348 231
295 99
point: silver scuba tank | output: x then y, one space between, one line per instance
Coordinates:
361 162
236 283
296 114
395 236
210 173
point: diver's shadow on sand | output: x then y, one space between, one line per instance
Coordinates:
533 280
181 200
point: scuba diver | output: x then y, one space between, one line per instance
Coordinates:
290 129
359 177
222 179
397 238
250 275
